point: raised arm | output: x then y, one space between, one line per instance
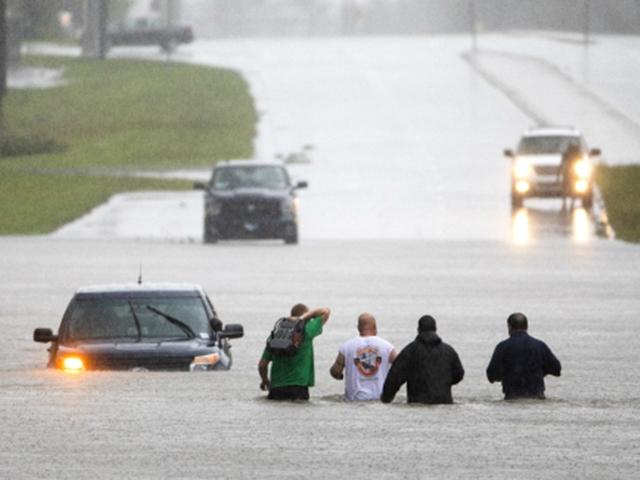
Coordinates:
322 312
337 369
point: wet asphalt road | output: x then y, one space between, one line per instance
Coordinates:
582 299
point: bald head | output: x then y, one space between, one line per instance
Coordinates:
367 325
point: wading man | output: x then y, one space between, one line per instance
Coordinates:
363 362
291 376
521 362
429 366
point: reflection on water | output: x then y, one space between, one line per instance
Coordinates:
531 224
520 226
582 226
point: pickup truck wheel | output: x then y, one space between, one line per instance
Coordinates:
291 234
210 234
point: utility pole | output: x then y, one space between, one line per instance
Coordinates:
473 25
172 12
587 21
346 16
94 41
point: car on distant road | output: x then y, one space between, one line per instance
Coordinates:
153 326
536 165
148 31
250 199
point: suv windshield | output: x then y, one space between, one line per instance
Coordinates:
543 145
271 177
113 318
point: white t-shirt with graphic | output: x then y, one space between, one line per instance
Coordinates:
366 365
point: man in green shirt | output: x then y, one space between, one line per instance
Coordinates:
291 377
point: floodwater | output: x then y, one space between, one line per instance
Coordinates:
581 299
407 213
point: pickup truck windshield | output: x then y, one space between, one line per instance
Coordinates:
271 177
114 318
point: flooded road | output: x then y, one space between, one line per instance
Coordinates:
406 134
406 138
407 213
582 299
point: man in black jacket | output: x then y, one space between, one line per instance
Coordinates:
428 365
521 362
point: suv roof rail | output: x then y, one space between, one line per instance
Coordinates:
552 127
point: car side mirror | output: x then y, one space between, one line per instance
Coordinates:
200 185
216 324
302 184
44 335
594 152
232 330
508 153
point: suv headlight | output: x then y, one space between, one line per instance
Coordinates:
204 362
522 168
71 363
583 168
290 206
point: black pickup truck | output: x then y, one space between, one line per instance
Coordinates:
148 31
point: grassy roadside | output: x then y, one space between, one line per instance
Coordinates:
119 115
620 186
41 203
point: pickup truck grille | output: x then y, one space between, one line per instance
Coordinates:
251 208
547 169
109 362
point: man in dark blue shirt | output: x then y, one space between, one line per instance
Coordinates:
521 362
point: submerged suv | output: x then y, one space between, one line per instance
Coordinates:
140 327
250 199
537 165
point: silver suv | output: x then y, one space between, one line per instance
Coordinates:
537 165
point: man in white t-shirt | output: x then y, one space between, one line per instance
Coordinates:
365 361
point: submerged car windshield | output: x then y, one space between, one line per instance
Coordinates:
546 145
271 177
132 318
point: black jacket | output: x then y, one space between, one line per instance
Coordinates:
429 367
520 363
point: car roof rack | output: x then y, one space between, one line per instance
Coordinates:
557 129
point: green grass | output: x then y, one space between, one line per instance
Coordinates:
130 113
620 188
116 115
41 203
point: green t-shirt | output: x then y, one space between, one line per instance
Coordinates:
299 369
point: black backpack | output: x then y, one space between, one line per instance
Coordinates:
286 337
